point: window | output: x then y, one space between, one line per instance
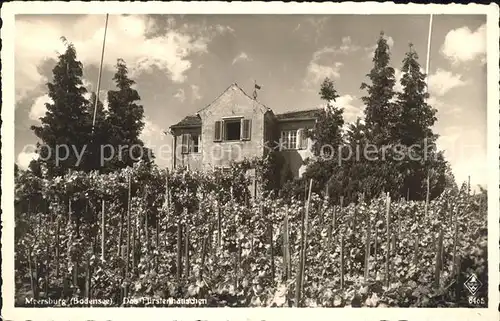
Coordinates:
190 143
294 139
289 139
232 130
194 143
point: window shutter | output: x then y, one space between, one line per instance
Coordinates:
302 139
284 140
246 126
218 131
185 143
192 143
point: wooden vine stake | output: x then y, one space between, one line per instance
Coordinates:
271 236
127 255
146 221
58 231
179 248
203 254
88 279
286 248
427 194
301 268
103 230
136 230
439 263
388 230
455 245
75 263
342 262
120 236
331 228
367 248
307 231
186 250
415 254
219 227
393 241
33 276
458 268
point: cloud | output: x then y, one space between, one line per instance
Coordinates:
436 103
180 95
347 46
442 81
224 29
38 39
398 74
316 24
351 110
322 65
466 152
154 137
241 57
463 45
87 84
195 92
38 108
24 159
151 132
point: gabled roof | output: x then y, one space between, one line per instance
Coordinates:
188 121
299 114
235 86
195 120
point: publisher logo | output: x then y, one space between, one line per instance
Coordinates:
473 284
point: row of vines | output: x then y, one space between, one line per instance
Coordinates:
149 233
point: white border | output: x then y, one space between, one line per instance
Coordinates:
8 159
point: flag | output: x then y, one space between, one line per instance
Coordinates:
257 86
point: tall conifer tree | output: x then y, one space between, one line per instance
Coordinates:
380 108
125 121
64 127
415 131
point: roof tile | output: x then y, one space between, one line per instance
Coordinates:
310 113
188 121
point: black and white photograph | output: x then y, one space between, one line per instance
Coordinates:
251 160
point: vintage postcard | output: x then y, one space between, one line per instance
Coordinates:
167 159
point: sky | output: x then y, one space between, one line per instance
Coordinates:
181 63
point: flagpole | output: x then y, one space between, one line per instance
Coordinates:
427 64
100 74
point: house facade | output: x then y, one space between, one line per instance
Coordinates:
234 127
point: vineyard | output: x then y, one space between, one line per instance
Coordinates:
148 233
